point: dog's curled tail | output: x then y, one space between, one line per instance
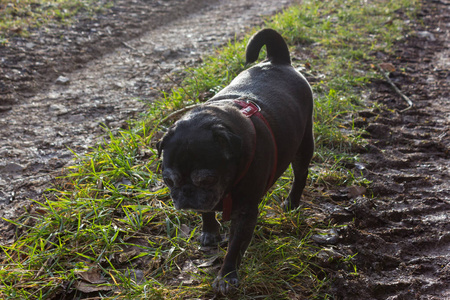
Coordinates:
277 50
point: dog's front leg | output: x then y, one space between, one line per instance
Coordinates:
242 226
211 230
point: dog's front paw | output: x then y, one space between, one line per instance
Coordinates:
225 285
287 205
209 239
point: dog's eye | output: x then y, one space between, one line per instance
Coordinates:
168 181
171 178
205 181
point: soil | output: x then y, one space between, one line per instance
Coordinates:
402 235
59 84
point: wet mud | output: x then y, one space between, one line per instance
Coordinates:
401 235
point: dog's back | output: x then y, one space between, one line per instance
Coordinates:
274 84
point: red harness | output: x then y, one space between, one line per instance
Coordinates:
249 109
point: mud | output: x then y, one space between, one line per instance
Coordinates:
58 85
402 235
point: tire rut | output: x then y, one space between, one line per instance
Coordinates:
402 235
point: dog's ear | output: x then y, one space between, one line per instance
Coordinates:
229 142
163 141
159 147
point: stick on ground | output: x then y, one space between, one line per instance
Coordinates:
396 89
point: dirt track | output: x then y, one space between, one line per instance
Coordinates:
401 236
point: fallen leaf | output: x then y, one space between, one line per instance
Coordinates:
388 67
329 254
184 231
126 256
325 236
187 274
90 288
17 30
209 262
92 276
41 211
355 191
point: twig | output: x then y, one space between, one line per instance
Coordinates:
130 47
396 89
179 112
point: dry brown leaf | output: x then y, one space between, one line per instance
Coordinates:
92 276
388 67
355 191
126 256
209 262
184 231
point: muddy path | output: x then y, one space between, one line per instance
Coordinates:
402 235
56 92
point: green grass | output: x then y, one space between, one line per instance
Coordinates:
18 17
111 216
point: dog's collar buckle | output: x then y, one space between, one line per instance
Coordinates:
248 107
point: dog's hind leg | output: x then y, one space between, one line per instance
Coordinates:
300 166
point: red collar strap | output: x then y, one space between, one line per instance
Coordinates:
249 109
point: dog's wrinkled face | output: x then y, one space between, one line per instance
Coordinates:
199 165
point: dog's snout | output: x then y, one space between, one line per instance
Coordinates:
188 191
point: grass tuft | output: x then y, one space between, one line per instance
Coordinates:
18 17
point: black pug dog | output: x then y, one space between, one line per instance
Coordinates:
225 154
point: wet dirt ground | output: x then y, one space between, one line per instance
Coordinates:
402 235
58 85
